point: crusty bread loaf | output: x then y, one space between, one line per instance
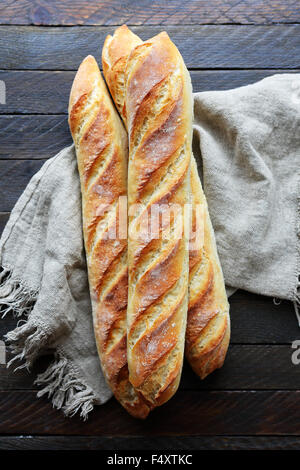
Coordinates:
159 117
208 325
115 52
102 152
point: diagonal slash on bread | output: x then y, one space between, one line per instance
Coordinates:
208 323
102 153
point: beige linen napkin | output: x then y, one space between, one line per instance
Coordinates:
44 276
247 144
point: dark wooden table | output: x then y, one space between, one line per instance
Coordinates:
254 401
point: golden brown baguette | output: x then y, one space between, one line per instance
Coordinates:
208 325
115 52
159 117
102 152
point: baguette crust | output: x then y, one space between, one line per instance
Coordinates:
115 53
159 117
101 148
208 324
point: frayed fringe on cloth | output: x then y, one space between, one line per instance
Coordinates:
14 296
66 391
26 342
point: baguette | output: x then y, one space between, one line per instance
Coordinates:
102 152
208 324
159 117
115 52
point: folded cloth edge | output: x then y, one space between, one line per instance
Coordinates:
60 381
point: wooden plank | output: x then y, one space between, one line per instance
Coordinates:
142 12
43 92
256 319
3 219
42 136
7 323
150 443
249 367
14 176
36 92
254 367
226 46
187 414
21 379
33 137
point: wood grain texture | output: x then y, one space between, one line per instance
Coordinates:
259 356
227 46
36 92
250 367
43 92
256 319
33 137
3 219
266 323
15 174
150 443
188 413
247 367
142 12
42 136
22 379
